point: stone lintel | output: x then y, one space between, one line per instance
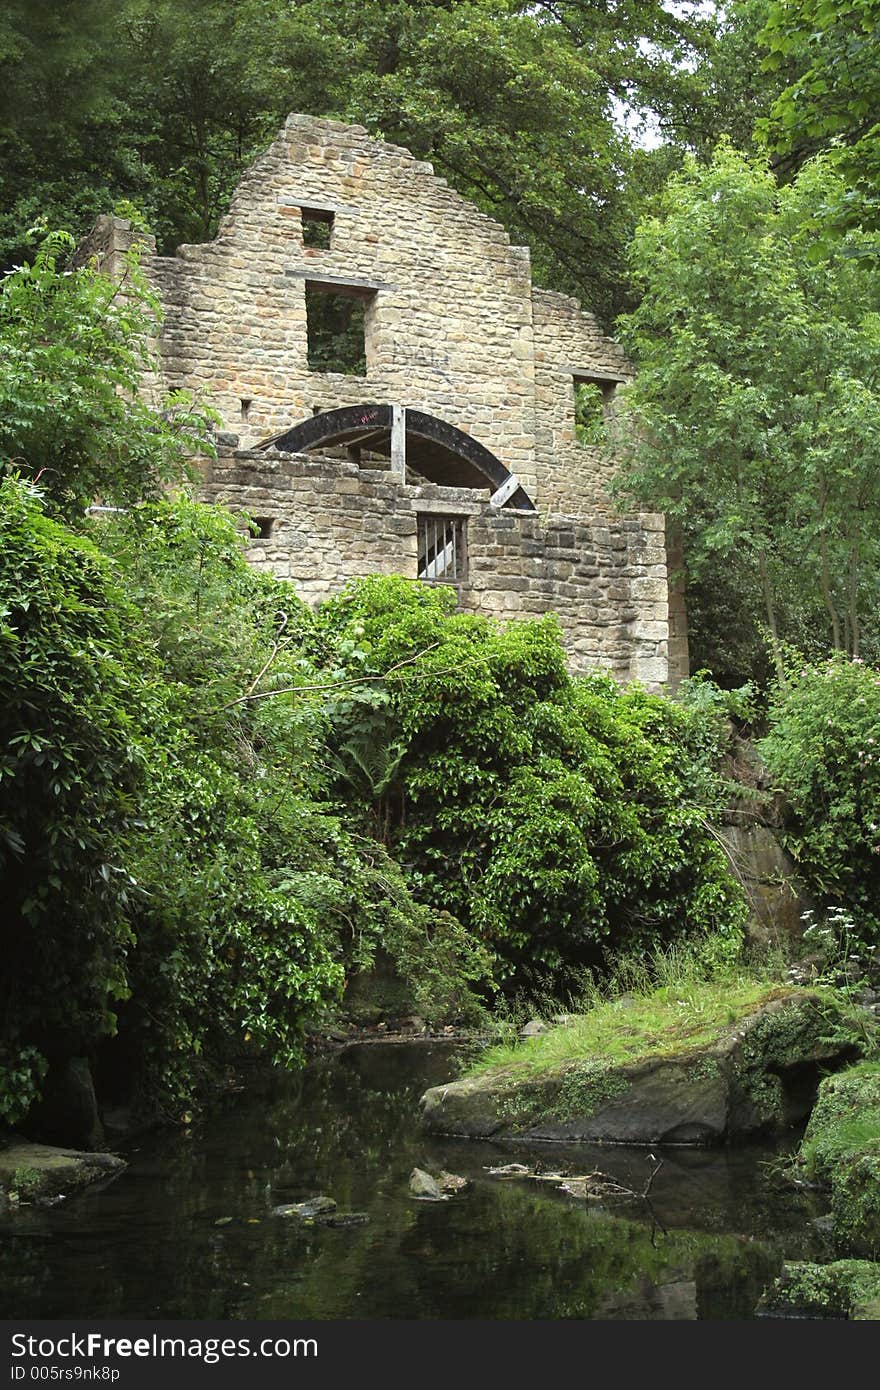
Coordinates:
444 506
316 203
345 282
583 373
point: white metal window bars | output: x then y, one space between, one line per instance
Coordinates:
442 553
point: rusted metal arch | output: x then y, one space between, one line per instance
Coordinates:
440 452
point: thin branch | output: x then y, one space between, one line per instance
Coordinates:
276 648
339 685
651 1176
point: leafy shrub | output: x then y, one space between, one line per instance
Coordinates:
704 696
242 861
72 416
68 773
841 1150
823 750
142 894
555 818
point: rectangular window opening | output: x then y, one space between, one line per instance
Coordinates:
442 548
264 527
246 408
592 402
317 225
336 328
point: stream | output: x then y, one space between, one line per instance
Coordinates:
188 1231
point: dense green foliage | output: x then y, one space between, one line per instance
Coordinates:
841 1150
827 55
755 414
208 792
823 748
71 410
521 106
67 775
175 867
552 816
841 1289
133 865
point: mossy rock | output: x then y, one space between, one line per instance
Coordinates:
38 1172
844 1289
841 1151
744 1063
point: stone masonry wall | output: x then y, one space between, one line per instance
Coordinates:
572 478
448 329
453 327
606 579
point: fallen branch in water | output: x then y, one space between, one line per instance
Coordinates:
591 1187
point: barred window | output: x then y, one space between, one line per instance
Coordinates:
442 548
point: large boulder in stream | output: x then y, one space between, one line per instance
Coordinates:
686 1065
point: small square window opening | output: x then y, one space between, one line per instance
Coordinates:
592 402
265 525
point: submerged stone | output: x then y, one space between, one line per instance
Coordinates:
453 1182
308 1210
755 1073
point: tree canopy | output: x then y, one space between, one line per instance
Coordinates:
755 415
520 106
828 55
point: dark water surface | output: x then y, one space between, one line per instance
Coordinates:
187 1231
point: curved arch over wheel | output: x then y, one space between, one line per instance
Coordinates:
440 452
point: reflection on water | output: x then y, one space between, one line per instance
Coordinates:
149 1244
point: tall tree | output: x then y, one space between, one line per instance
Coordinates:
829 54
755 414
523 108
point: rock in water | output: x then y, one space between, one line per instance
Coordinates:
52 1172
307 1211
756 1073
453 1182
421 1184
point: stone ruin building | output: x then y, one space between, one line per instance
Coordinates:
397 397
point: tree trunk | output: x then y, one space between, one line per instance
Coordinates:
854 595
770 609
826 569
